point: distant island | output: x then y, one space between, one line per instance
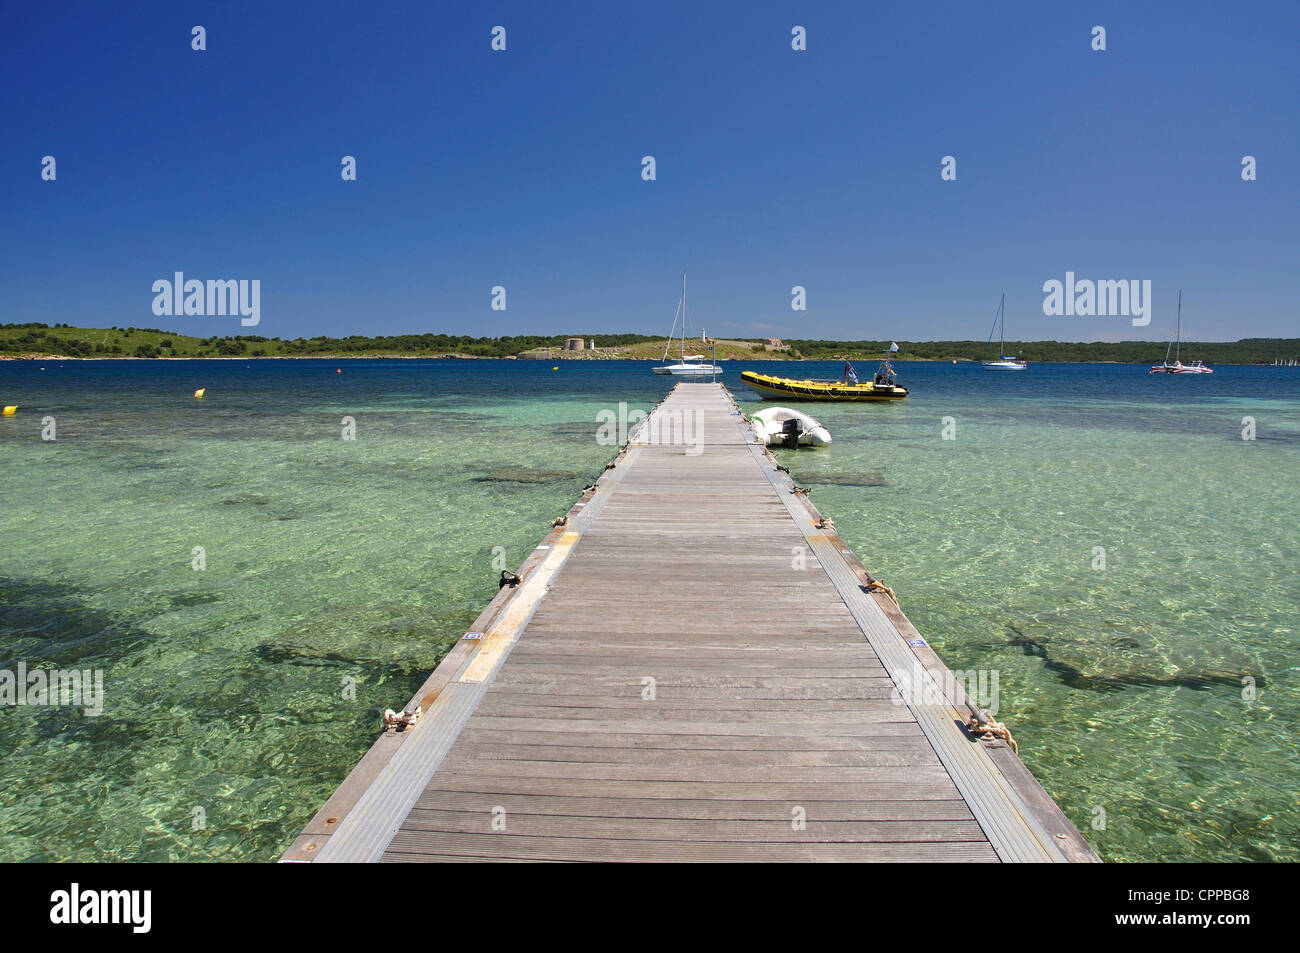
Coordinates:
61 341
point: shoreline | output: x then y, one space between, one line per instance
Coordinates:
34 341
516 358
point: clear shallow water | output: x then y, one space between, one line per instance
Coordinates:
330 560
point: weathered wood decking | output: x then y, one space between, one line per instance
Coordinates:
665 685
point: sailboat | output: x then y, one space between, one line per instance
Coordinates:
1178 367
1005 362
691 364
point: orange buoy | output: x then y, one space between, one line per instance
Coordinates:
199 393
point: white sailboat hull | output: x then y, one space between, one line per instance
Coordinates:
1004 365
1180 368
689 370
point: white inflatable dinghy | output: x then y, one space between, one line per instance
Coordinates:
783 427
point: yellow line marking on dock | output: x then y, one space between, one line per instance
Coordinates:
503 634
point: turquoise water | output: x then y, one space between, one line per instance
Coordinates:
331 563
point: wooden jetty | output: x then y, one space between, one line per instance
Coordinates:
690 669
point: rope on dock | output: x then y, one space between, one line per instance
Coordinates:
403 719
875 585
507 579
992 728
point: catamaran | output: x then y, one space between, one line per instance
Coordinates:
1178 367
1005 362
690 365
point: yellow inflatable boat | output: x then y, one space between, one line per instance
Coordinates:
771 386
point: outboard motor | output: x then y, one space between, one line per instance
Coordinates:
790 431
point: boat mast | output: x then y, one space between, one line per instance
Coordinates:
671 331
1170 346
1178 334
683 316
996 317
1002 328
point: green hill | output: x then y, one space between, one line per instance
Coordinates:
64 340
40 340
1245 351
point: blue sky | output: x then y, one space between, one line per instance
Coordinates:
775 168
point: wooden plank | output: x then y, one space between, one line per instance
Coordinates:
915 752
810 829
902 809
591 740
855 709
714 719
788 793
651 851
699 770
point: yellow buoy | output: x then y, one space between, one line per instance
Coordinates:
556 367
199 392
11 409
